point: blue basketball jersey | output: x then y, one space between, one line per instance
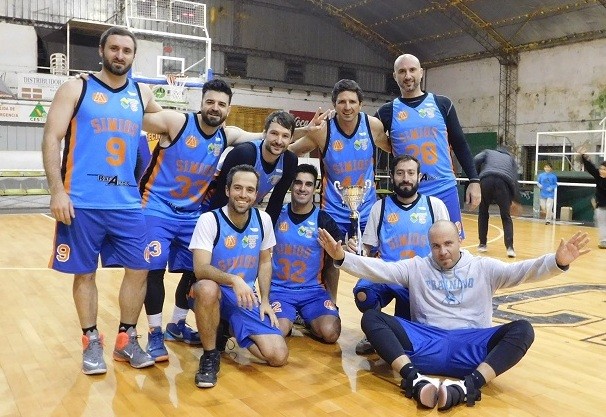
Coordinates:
348 159
297 258
236 251
267 181
179 175
421 131
402 231
101 143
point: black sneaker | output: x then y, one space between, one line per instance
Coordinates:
422 388
209 368
453 393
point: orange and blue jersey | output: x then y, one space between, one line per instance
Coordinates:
100 156
178 176
267 181
421 131
403 230
297 258
348 159
236 251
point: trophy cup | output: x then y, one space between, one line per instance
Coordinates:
353 196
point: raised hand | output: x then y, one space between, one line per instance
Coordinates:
571 249
330 245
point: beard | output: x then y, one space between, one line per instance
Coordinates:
217 120
113 69
406 192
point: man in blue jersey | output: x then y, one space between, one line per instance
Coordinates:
426 126
182 166
547 182
397 229
347 153
297 285
232 250
451 332
270 157
94 194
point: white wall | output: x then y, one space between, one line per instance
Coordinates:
556 90
19 51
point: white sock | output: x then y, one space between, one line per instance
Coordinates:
155 320
179 314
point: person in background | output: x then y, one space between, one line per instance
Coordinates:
499 184
599 174
547 183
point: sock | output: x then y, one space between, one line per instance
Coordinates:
155 320
125 327
89 329
179 314
408 370
478 379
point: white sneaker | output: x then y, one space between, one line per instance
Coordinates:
511 253
482 248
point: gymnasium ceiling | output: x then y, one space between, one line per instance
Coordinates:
441 32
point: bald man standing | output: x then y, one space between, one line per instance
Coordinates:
426 126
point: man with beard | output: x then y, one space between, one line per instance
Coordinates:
175 181
270 157
426 126
232 249
397 228
94 195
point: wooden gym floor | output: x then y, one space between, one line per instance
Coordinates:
40 351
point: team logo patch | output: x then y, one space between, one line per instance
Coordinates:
215 148
230 242
283 227
402 115
305 231
250 241
191 142
274 179
361 144
153 249
420 218
337 145
99 98
393 218
427 112
329 305
129 103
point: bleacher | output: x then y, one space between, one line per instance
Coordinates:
23 184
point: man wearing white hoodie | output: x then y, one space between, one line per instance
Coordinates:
450 332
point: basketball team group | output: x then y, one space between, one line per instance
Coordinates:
251 274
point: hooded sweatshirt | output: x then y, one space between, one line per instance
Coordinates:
456 298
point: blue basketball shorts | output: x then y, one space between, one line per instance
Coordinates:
310 302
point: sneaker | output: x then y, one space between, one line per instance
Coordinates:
299 321
210 362
182 332
482 248
452 393
92 354
127 349
155 344
364 347
511 253
547 222
602 244
423 389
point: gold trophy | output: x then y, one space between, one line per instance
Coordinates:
352 197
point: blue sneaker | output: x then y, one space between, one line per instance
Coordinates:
155 344
181 332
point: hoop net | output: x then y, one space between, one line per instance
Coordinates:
176 87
